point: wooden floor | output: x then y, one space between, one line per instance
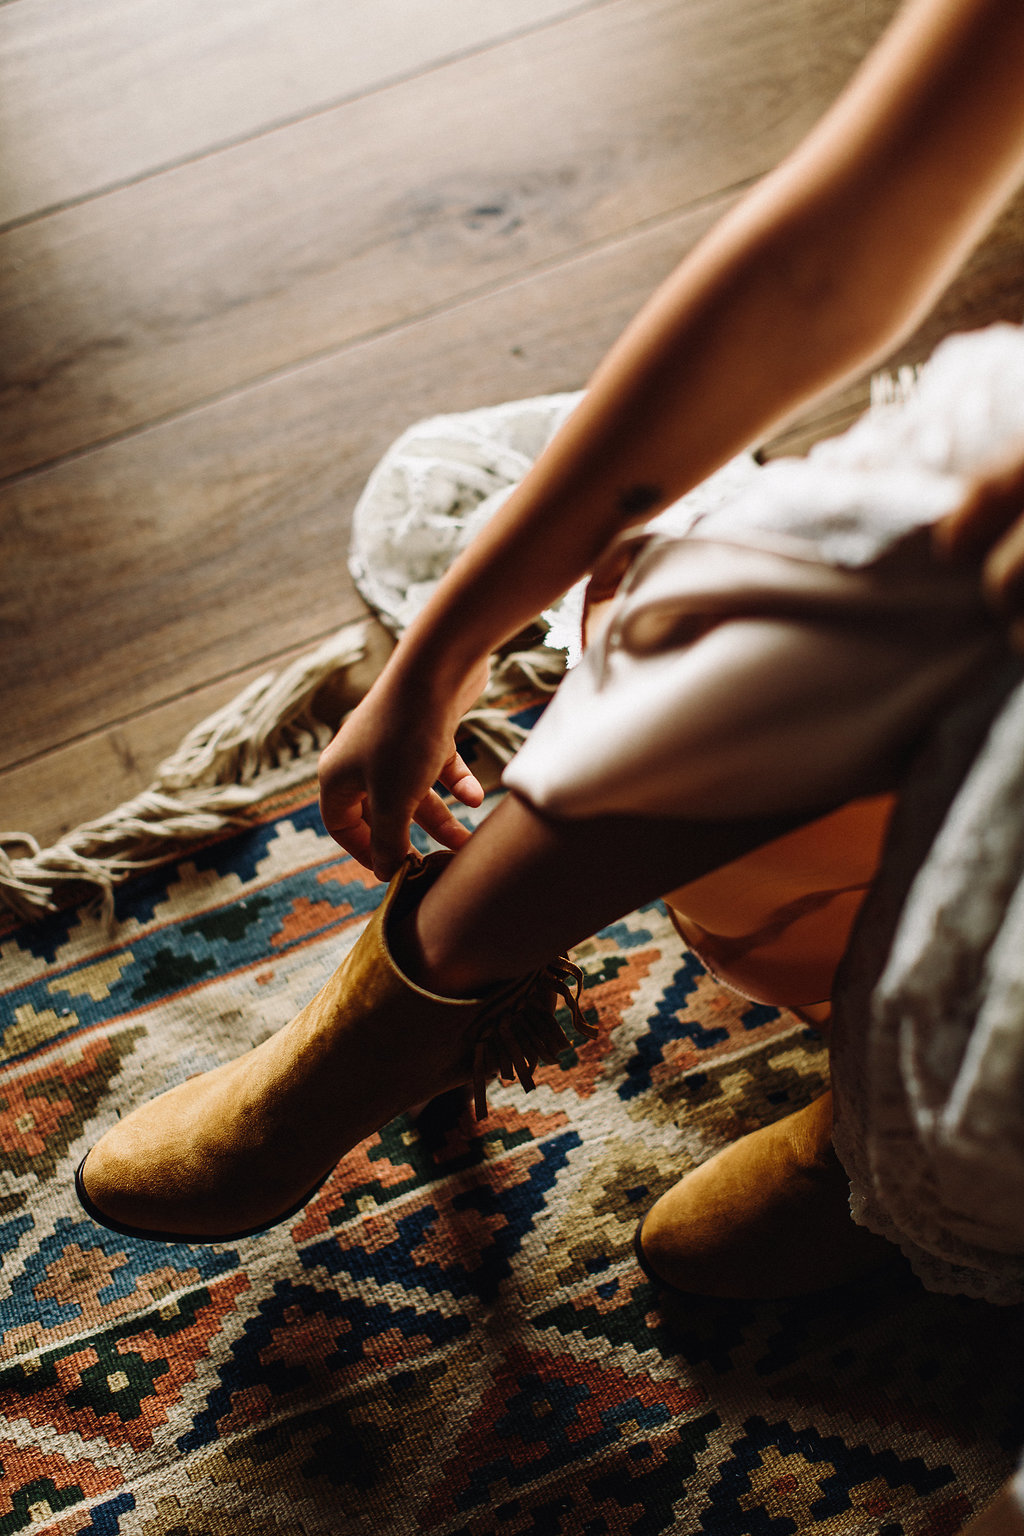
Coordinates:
243 246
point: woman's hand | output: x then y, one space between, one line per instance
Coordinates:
376 776
987 530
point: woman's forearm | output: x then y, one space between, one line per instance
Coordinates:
807 281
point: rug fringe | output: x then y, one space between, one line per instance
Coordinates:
265 740
894 388
541 667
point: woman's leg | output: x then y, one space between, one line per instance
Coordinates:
414 1008
527 887
770 1215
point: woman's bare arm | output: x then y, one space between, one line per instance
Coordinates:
811 278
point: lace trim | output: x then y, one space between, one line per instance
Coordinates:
519 1028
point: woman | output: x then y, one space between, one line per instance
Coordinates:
811 278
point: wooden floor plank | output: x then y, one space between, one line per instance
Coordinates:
194 549
175 290
61 789
68 785
142 84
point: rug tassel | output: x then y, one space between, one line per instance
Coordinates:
542 667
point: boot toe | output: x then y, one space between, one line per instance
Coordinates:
133 1182
105 1183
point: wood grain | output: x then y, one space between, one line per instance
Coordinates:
142 84
62 788
189 551
151 565
178 289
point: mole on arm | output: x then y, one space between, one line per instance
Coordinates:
639 498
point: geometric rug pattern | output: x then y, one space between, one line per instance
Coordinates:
453 1337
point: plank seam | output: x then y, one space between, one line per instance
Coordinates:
395 328
291 120
272 659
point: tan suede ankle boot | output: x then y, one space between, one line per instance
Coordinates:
1003 1517
767 1217
238 1149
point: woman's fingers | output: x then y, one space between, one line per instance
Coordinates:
389 837
435 818
993 503
987 530
349 827
371 790
1003 579
375 830
461 782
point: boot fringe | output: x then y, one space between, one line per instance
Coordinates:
518 1029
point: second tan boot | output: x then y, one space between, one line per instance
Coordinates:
764 1218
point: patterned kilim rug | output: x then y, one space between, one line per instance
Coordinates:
453 1337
